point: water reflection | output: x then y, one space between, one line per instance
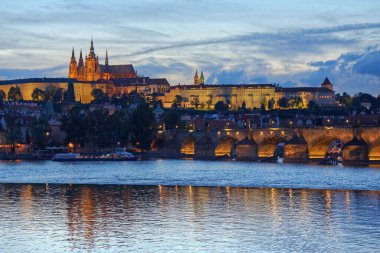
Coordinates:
162 218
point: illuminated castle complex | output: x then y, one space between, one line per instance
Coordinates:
88 74
91 70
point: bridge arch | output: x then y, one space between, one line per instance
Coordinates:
268 146
188 145
319 147
374 151
224 146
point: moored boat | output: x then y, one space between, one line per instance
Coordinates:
73 157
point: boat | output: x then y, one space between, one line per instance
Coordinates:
74 157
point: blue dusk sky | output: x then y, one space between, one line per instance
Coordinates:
293 42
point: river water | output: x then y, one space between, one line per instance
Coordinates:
188 206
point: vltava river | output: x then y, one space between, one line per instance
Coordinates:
165 206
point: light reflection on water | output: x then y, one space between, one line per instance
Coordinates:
61 218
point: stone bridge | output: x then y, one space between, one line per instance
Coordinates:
300 144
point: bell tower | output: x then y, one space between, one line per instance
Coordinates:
327 84
73 69
92 67
196 78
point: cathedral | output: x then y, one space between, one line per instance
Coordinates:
90 70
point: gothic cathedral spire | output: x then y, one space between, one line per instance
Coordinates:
196 78
202 79
106 61
73 69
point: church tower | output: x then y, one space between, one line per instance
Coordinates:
327 84
73 69
202 79
196 78
105 75
81 74
92 67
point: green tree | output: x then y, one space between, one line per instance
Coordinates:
360 98
296 102
39 132
2 98
75 125
271 103
99 129
243 106
172 119
177 101
264 103
195 102
54 94
13 130
143 127
15 94
120 128
98 96
38 95
220 106
283 102
312 106
209 103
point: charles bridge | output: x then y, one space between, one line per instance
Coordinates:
300 144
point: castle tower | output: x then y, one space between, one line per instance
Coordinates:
196 78
73 69
327 84
202 79
92 67
105 75
81 74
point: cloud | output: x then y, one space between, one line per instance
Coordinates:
351 72
306 38
57 71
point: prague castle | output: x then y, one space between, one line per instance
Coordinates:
91 70
87 74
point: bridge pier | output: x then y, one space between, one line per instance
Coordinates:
355 151
204 148
246 150
296 150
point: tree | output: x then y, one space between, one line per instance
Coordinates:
296 102
209 103
195 102
312 106
220 106
2 98
98 96
271 103
38 95
283 102
13 130
119 132
54 94
99 129
177 101
172 119
143 126
14 94
264 103
243 106
75 125
40 132
2 95
361 98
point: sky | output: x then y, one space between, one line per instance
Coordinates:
291 43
